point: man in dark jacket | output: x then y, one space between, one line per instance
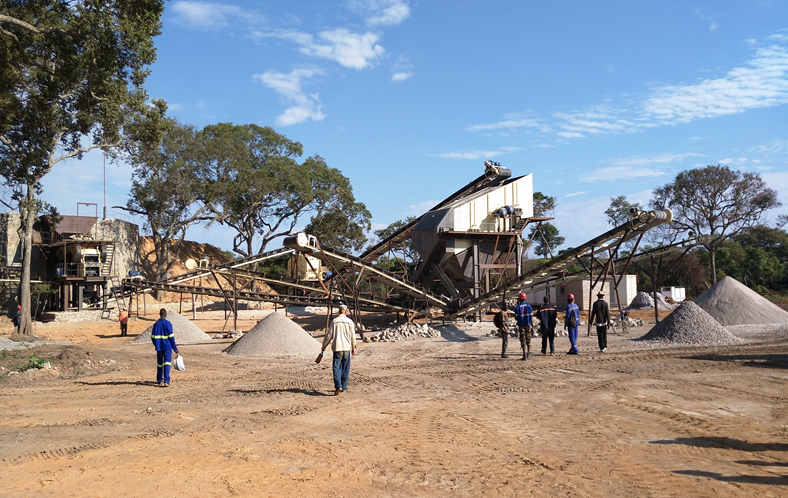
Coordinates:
548 317
600 316
164 341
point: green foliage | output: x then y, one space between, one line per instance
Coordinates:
548 241
618 211
278 192
757 257
714 203
34 362
405 252
544 205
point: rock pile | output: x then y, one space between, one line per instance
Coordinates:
643 300
689 324
733 303
275 335
405 332
186 332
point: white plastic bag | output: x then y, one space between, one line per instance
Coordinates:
180 365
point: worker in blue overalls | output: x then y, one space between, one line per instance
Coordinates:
164 340
571 322
523 313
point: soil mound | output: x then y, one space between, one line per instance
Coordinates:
275 335
731 302
689 324
186 332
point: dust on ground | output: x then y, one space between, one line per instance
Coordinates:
441 416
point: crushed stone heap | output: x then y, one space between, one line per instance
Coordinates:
405 332
186 332
731 302
689 324
275 335
644 300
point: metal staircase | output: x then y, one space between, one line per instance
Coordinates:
106 262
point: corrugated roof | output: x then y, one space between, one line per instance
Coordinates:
75 224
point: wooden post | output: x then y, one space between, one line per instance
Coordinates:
615 288
476 278
194 310
235 304
590 291
180 303
654 291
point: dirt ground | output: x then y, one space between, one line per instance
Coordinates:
443 416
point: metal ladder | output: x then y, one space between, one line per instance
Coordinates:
115 286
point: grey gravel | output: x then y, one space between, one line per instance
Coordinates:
689 324
405 332
275 335
186 332
733 303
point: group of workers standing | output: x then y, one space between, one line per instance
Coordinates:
547 314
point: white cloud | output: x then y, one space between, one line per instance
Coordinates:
617 173
652 160
420 207
711 23
476 154
213 15
351 50
760 82
401 76
305 106
382 12
510 123
573 194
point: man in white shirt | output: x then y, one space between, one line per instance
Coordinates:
341 335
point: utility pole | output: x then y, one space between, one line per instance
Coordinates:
105 184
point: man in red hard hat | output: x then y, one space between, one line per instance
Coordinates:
523 312
18 316
571 322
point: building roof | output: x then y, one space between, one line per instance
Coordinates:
75 224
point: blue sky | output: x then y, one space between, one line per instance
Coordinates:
408 98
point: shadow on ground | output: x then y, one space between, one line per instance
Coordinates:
453 334
748 360
724 443
292 390
119 383
771 480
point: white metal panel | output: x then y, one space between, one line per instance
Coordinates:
475 212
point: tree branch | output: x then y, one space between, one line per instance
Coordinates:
82 150
18 22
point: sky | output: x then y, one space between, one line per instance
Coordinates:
408 98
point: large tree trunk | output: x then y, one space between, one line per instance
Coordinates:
26 322
713 254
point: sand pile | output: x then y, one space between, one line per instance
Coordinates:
733 303
405 332
275 335
186 332
689 324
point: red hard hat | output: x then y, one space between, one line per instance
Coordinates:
19 306
571 296
522 295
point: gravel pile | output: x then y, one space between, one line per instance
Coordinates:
689 324
275 335
186 332
733 303
405 332
643 300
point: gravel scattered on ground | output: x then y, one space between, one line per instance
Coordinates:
186 332
405 332
275 335
731 302
690 324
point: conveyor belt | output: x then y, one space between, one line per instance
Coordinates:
621 233
282 299
237 263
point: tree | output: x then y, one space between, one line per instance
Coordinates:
405 251
165 186
757 256
715 203
619 210
549 239
279 192
341 230
72 72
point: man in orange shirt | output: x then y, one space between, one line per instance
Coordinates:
124 322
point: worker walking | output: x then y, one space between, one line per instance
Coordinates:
600 316
18 315
341 335
124 322
548 317
499 320
571 322
164 341
523 313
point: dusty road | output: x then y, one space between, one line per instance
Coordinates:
423 418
